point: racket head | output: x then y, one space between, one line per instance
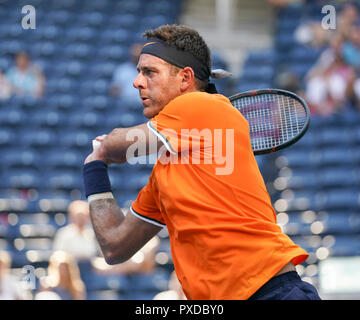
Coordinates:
277 118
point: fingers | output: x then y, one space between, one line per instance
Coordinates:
101 138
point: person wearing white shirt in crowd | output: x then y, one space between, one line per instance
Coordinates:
10 286
77 238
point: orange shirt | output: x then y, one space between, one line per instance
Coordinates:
208 191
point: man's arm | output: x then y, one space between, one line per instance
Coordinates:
121 144
119 236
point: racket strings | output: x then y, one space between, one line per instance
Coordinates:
273 119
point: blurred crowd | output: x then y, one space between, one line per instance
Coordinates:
73 244
333 83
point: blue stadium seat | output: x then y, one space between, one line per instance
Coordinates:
298 158
284 42
339 177
335 199
262 57
304 54
346 245
93 87
103 69
17 200
48 119
303 179
44 50
77 138
155 282
243 86
124 20
303 200
136 181
115 53
124 119
63 179
155 20
80 35
335 136
81 51
307 242
11 118
118 36
54 201
21 158
95 281
59 17
256 73
96 102
60 157
7 137
337 155
86 120
296 225
36 225
39 138
66 102
93 19
20 178
339 222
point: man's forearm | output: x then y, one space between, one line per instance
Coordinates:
106 217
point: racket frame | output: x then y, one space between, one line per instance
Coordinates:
252 93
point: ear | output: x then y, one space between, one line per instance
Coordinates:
188 79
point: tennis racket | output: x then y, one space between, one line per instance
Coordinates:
277 118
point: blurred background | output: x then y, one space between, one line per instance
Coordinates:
68 77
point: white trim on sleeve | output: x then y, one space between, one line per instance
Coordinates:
152 221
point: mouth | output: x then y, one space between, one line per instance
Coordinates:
144 99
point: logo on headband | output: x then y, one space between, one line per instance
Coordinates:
146 44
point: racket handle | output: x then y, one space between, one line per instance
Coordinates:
95 144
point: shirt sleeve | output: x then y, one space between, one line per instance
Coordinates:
145 207
179 125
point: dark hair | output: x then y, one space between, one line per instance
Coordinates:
186 39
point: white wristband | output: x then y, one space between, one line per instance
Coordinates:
100 196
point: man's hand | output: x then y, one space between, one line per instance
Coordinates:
97 153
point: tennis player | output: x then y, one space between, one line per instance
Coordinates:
225 242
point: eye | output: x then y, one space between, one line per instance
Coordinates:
149 72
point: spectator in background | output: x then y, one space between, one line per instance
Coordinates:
63 278
351 48
10 287
26 79
347 17
175 291
77 238
312 34
5 87
330 82
122 78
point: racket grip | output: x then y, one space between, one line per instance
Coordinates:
95 144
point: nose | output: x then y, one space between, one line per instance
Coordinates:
139 81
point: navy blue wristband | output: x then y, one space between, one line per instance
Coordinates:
96 178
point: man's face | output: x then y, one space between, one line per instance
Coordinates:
156 83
